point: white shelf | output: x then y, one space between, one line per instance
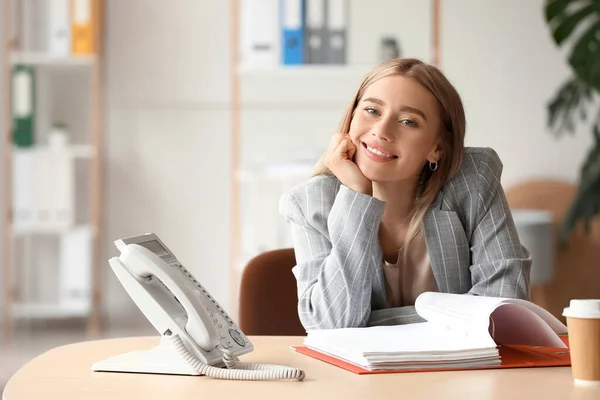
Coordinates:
48 59
300 87
75 150
49 310
305 70
46 229
82 150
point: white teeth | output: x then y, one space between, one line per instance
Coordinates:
379 153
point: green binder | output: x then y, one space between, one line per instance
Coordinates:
23 105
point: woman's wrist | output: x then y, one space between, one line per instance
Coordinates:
368 190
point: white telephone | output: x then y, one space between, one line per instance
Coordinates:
198 337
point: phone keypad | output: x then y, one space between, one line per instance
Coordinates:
205 292
225 343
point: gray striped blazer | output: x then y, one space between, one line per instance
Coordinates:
470 234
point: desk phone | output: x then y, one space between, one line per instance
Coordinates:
197 335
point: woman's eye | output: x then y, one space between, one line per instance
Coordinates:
408 122
372 111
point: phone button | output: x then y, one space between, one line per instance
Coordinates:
237 337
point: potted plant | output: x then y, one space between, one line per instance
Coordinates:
58 136
575 24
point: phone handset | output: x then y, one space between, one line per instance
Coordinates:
144 263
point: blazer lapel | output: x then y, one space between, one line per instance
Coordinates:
448 248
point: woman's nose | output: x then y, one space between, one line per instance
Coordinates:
382 131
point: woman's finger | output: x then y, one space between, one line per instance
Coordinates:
351 150
341 152
335 141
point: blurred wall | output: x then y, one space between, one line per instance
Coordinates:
501 57
167 136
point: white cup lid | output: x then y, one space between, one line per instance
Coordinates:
585 308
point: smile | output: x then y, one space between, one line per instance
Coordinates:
378 152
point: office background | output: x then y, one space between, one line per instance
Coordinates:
167 117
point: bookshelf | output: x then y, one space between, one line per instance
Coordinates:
309 70
51 60
52 188
266 97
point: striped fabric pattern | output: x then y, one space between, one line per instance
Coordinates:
471 238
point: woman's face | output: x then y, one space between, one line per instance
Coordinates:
395 128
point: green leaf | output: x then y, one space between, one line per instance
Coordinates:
585 56
554 8
574 95
568 103
567 25
586 204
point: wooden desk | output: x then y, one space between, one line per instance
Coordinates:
64 373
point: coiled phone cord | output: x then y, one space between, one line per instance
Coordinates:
235 369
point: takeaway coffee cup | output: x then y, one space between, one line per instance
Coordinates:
583 321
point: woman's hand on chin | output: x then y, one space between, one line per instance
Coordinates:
338 159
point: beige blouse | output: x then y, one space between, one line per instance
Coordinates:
405 282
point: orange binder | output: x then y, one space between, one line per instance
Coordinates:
83 27
512 356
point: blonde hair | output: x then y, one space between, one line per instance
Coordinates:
452 135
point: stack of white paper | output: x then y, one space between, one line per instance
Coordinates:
421 345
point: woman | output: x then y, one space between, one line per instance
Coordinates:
398 206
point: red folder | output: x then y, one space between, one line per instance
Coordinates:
511 356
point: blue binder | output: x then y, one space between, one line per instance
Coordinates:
292 27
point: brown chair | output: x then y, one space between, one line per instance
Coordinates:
268 303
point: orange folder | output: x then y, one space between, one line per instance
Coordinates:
82 41
511 356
